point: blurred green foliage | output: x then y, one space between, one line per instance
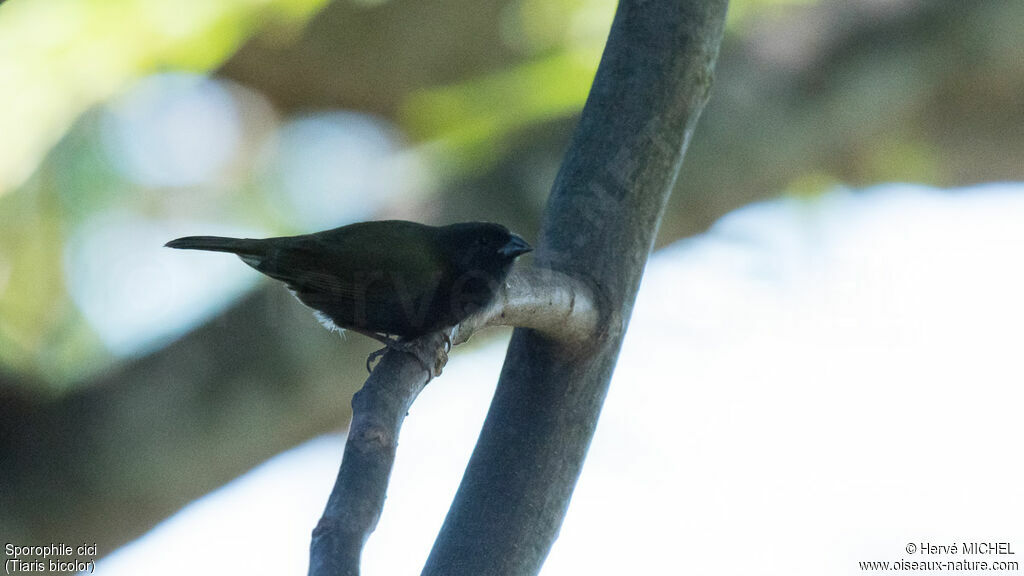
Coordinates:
469 121
59 57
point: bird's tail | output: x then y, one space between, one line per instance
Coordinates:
240 246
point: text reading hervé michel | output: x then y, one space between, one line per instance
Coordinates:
952 557
58 557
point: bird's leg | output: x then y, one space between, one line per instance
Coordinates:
389 344
448 339
373 356
431 351
382 338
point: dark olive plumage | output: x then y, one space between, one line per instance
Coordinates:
384 278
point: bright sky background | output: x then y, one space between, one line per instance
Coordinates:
812 383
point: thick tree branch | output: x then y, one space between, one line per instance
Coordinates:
600 224
552 303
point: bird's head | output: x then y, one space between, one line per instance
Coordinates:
484 247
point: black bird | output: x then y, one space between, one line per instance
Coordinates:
386 278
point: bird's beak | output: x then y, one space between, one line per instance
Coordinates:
515 247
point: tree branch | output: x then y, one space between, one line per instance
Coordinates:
556 305
357 499
600 223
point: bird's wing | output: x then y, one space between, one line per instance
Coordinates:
352 263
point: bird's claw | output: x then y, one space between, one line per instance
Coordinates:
374 356
427 350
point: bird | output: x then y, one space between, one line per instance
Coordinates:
391 280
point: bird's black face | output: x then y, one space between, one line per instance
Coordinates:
483 255
485 247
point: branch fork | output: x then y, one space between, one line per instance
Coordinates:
600 223
552 303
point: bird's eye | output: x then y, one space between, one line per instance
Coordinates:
482 241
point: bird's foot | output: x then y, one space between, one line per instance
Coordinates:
376 354
431 351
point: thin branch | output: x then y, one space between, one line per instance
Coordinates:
553 303
356 501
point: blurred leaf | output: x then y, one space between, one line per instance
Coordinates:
59 57
899 158
468 122
37 315
743 11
